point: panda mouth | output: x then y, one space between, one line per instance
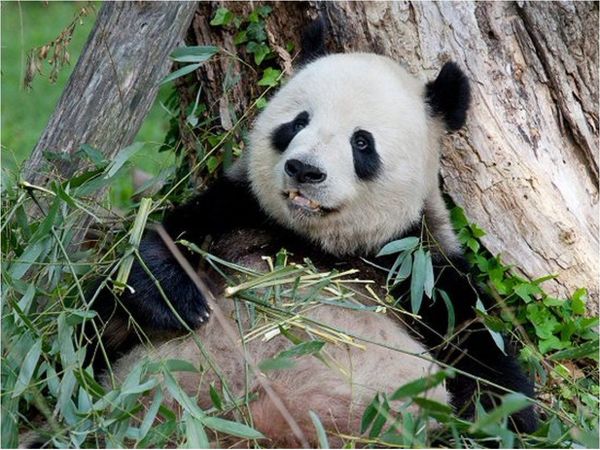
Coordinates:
298 201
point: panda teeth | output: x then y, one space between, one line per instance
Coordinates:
303 202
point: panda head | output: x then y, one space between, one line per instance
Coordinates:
347 152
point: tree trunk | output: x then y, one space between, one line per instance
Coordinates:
113 84
526 166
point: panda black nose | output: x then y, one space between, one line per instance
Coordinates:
304 173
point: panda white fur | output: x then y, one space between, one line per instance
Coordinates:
344 159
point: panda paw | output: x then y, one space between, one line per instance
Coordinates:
186 306
524 421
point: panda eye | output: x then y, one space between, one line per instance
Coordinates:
361 140
300 124
361 143
285 133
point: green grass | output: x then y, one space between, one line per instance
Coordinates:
25 113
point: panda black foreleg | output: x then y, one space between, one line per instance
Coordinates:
471 348
477 354
225 206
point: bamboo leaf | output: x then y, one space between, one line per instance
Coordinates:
421 385
589 349
276 364
429 276
383 410
31 254
417 281
399 260
450 309
135 238
121 158
321 435
150 415
27 369
407 243
496 337
405 269
180 72
215 397
179 365
232 428
432 405
194 432
369 414
146 386
194 54
305 348
511 403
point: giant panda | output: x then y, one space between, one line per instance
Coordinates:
343 159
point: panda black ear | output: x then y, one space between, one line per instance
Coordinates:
312 41
449 96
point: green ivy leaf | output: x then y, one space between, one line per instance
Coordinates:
543 320
264 11
473 244
260 51
270 77
212 163
261 103
240 37
578 301
222 17
477 232
551 343
457 215
526 290
256 32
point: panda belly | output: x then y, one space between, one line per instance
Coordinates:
337 386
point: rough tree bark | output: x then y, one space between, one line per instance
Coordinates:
526 167
114 82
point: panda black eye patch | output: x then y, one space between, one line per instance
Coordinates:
367 163
284 133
